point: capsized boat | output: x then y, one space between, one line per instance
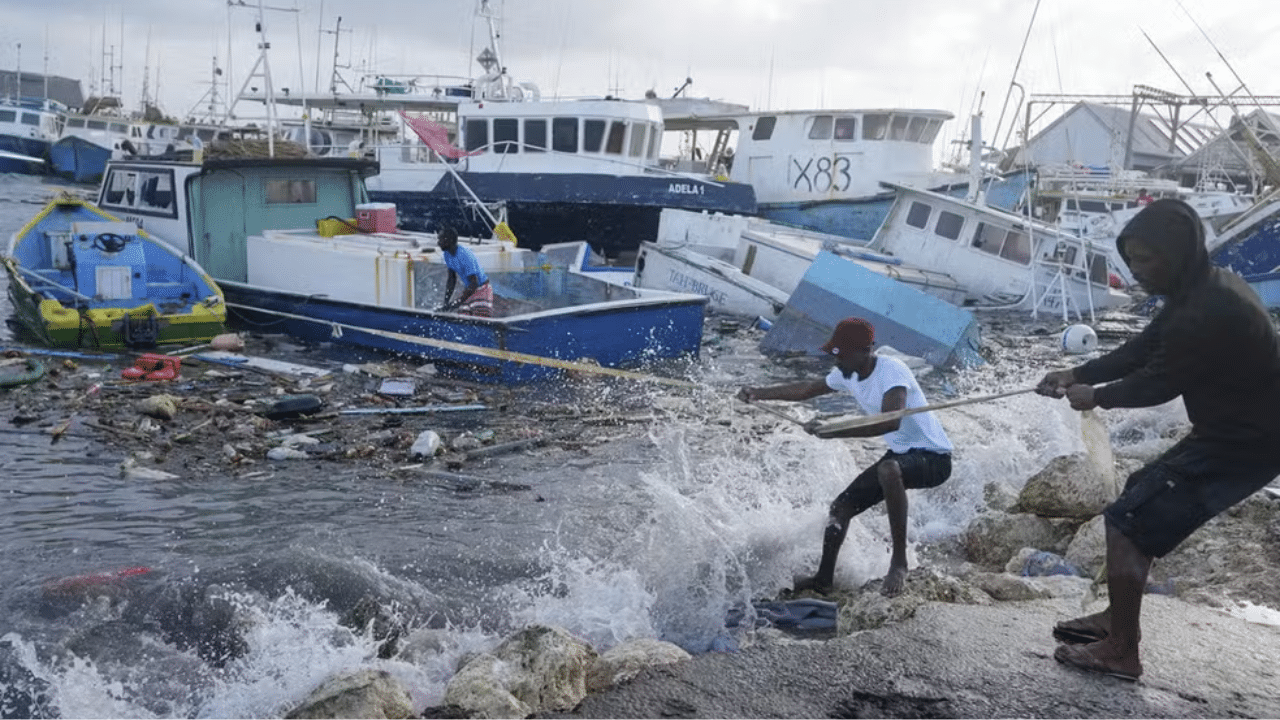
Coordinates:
80 277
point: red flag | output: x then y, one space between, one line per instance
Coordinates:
436 137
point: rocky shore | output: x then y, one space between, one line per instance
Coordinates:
970 637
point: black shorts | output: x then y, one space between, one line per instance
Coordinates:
920 469
1169 498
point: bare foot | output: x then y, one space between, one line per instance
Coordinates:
894 581
1101 657
813 584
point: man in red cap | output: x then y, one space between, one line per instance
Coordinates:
919 454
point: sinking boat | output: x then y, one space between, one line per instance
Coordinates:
748 266
80 277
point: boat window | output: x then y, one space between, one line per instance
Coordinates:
949 225
1098 271
1070 205
898 129
506 135
764 128
931 131
820 128
535 135
95 124
8 115
875 126
477 134
655 134
124 129
283 192
156 192
75 122
988 238
918 215
1068 253
205 135
915 129
564 135
1017 247
30 119
636 148
592 135
119 186
846 128
617 134
1093 206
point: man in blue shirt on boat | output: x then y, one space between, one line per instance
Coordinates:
477 293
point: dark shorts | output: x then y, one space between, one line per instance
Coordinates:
920 469
1170 497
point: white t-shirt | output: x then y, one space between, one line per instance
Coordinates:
921 430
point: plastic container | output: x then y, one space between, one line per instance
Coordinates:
376 217
331 227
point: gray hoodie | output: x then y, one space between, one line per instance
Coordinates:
1213 343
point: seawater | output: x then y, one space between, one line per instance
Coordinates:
659 532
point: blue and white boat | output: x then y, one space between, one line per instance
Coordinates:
1250 244
554 170
28 128
828 170
264 229
80 277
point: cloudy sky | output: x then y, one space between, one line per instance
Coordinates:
765 53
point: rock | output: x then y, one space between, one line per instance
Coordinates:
360 694
1009 588
538 669
1088 549
1071 486
994 537
1030 562
160 407
869 609
624 661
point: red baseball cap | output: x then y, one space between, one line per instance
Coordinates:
851 335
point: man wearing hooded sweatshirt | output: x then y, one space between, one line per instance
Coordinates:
1213 344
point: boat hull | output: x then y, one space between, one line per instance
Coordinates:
613 213
21 164
67 292
78 159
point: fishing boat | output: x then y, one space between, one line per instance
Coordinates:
28 128
825 169
297 243
564 169
1250 244
749 266
80 277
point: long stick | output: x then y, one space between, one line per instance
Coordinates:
775 413
839 424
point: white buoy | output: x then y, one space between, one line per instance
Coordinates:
1079 339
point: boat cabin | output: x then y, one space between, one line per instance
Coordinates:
184 203
813 155
1000 258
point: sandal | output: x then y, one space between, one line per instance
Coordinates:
1081 657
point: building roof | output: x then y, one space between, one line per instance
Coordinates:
64 90
1152 133
1230 151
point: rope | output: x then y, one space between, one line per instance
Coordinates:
476 349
